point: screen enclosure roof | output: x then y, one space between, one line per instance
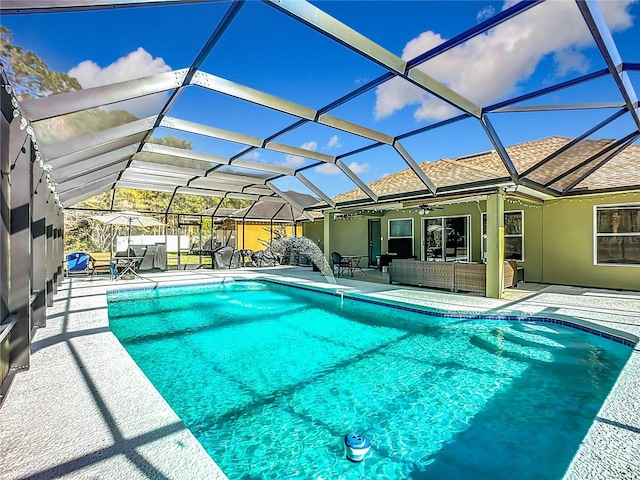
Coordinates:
255 100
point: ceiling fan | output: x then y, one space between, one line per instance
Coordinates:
424 208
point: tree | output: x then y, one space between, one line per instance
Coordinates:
28 73
31 77
171 141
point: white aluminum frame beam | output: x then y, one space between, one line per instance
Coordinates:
218 194
68 174
182 153
44 6
237 178
87 144
500 150
89 187
355 179
88 178
80 196
105 158
329 26
37 109
157 179
205 157
592 14
233 89
104 149
354 128
290 200
263 167
200 129
551 108
204 182
158 173
315 189
145 186
424 178
163 168
300 152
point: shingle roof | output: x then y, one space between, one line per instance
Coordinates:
538 159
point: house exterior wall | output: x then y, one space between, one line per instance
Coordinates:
470 209
533 240
351 237
568 241
558 239
255 236
314 231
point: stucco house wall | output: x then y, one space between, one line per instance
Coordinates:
558 238
568 243
314 231
254 236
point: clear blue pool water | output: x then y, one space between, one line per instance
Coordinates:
270 378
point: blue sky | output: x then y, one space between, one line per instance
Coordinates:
271 52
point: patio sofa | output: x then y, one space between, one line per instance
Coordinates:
454 276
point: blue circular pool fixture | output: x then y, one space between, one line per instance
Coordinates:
357 446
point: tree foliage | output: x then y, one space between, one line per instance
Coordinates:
28 73
171 141
31 77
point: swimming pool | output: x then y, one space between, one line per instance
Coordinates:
270 378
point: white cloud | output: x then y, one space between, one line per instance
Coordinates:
293 161
570 60
332 169
492 65
136 64
334 142
328 169
486 12
357 168
253 155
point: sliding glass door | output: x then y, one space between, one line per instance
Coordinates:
446 239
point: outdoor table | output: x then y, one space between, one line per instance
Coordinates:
354 263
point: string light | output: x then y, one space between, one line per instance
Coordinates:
514 201
25 125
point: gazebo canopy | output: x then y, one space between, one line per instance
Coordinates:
321 98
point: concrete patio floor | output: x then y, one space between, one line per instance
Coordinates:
84 410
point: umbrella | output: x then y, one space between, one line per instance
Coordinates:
132 219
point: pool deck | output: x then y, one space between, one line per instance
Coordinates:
84 410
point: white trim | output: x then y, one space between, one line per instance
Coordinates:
482 251
469 235
412 237
595 234
395 219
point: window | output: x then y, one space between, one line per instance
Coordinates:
401 237
513 235
617 235
446 239
401 228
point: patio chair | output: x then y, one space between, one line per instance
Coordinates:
113 270
340 262
79 262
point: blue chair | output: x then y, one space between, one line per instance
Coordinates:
113 270
79 262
